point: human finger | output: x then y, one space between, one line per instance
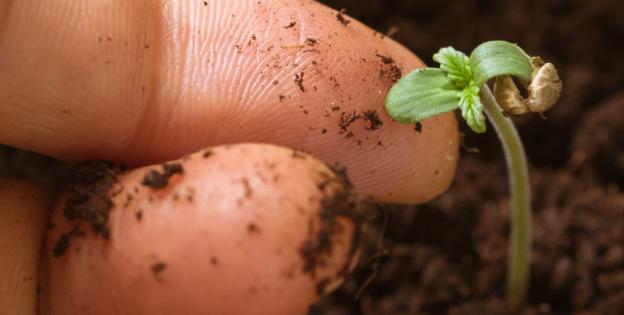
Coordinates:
225 231
140 82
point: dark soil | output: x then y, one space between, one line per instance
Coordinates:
374 122
341 18
157 268
157 180
65 241
394 71
338 201
449 256
88 201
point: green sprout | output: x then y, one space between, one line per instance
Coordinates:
461 82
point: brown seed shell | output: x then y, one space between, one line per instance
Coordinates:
508 96
545 89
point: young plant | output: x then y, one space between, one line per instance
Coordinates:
461 82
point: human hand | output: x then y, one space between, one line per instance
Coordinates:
141 83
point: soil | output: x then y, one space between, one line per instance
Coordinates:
158 267
65 241
341 18
88 200
449 256
338 201
159 180
374 122
394 72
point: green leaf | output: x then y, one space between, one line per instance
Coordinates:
456 64
472 109
422 94
496 58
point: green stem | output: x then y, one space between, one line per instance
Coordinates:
518 266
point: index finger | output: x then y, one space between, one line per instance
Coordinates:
144 82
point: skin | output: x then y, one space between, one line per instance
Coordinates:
237 214
23 210
145 82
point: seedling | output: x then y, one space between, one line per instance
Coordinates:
461 82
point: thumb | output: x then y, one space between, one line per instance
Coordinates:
231 231
144 82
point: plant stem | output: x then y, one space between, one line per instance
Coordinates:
518 265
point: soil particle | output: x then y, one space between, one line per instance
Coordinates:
253 228
311 41
418 127
385 59
207 153
291 25
394 72
88 197
346 119
139 215
247 186
299 81
369 116
158 267
252 39
374 122
63 243
128 201
159 180
190 197
341 18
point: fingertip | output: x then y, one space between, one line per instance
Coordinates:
230 231
238 84
387 160
426 163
